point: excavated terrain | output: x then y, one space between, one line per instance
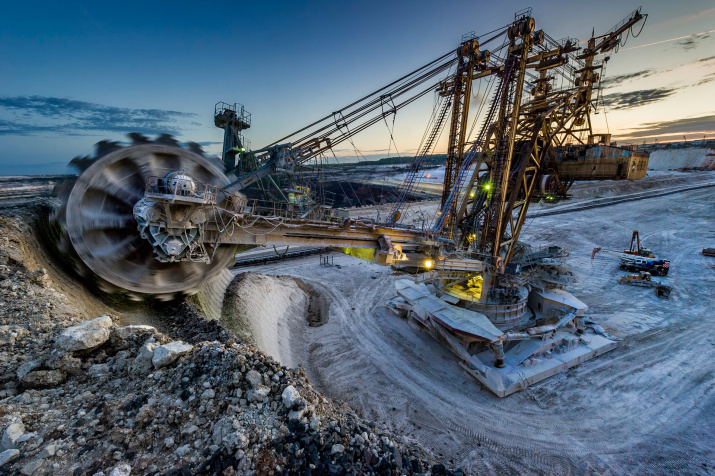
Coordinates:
646 407
94 386
370 389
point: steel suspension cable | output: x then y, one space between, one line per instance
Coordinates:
363 98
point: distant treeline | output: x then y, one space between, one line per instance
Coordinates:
436 160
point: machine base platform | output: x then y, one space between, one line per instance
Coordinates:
515 376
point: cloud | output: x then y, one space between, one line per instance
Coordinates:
702 124
22 129
638 98
707 79
28 115
692 42
621 78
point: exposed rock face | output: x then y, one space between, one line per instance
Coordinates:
87 335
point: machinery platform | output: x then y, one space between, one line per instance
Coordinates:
429 309
522 370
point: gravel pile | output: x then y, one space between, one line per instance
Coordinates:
94 398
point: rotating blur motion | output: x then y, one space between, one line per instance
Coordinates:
99 220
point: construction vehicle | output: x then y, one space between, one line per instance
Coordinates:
636 249
630 262
155 218
637 258
644 279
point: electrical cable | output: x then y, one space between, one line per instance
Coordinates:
366 109
645 18
663 41
363 98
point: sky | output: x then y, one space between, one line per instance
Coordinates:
72 74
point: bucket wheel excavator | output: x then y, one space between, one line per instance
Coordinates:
99 229
160 218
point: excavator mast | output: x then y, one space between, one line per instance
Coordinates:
513 157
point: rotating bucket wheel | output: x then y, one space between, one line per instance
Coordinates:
96 216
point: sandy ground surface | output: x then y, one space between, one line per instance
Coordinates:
423 213
646 407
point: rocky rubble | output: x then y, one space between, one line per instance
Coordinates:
187 323
93 397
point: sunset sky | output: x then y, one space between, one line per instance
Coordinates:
75 73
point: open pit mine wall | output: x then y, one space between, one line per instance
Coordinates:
682 158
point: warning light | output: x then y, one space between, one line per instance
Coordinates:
428 263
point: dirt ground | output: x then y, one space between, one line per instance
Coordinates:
645 407
424 212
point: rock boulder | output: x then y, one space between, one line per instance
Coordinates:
11 434
290 397
142 362
8 455
169 353
131 331
87 335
